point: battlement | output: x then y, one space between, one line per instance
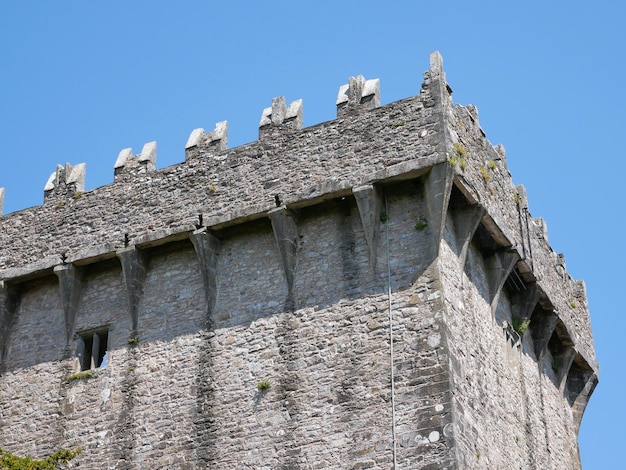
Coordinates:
420 157
256 175
69 179
145 162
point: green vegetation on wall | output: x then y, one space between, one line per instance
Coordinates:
10 461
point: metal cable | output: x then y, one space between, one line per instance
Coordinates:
391 361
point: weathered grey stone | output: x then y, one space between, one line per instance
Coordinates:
436 64
369 202
358 95
124 156
134 272
70 285
207 250
148 155
499 266
287 240
437 195
466 222
280 116
8 304
68 180
76 175
194 138
52 179
262 328
217 140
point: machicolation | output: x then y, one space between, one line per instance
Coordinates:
368 292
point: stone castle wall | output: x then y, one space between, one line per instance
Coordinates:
292 261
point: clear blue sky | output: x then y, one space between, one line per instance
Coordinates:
80 81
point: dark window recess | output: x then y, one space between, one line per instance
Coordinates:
91 349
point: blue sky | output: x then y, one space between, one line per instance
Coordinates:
80 81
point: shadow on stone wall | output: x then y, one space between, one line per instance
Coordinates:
332 266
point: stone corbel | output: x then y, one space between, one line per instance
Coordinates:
134 267
542 325
9 301
578 388
466 222
437 189
525 301
70 287
207 249
286 235
369 202
499 266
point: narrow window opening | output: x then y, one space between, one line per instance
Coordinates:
91 349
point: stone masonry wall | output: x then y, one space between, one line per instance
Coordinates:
327 361
222 185
489 179
379 273
504 398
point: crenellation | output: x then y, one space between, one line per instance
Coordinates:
194 139
541 226
123 157
357 96
472 111
521 229
580 292
65 181
501 151
281 116
144 162
564 294
561 289
216 140
521 199
560 266
491 184
436 66
435 89
267 297
147 157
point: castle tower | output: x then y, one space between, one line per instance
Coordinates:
369 292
